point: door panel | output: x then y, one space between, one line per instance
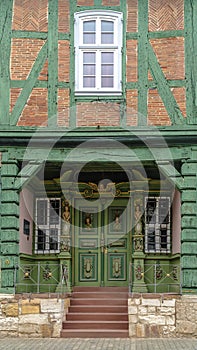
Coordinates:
101 245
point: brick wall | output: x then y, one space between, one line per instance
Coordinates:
33 16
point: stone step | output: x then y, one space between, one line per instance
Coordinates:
92 301
97 316
100 289
98 333
84 324
100 295
98 309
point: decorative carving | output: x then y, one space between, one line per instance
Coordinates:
175 273
47 274
88 268
138 244
138 271
65 236
138 217
159 271
116 267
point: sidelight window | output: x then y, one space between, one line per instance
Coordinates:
157 225
47 220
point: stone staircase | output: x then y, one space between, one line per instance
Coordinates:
97 312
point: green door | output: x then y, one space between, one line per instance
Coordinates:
101 241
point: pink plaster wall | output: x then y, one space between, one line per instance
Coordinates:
176 223
26 212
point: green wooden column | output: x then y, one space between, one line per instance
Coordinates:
9 224
138 285
189 224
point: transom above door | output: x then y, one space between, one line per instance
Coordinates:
101 242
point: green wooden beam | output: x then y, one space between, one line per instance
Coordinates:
191 59
172 174
164 89
29 84
52 61
142 61
5 50
166 34
24 34
26 174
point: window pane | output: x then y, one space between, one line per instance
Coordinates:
88 38
89 57
42 212
54 212
53 239
107 69
107 32
107 57
89 69
41 240
89 34
107 26
89 26
89 82
107 82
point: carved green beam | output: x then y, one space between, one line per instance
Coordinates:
52 61
29 84
191 60
164 89
26 174
142 61
172 174
5 49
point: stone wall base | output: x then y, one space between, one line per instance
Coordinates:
149 316
37 317
159 316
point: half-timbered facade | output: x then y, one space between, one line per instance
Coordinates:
98 113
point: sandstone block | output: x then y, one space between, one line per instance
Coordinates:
169 303
170 320
132 310
52 305
152 319
9 324
186 327
151 302
166 310
140 330
30 309
132 330
10 310
142 310
33 319
133 319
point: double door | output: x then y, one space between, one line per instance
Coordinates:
101 244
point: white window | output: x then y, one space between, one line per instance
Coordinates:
47 222
157 225
98 52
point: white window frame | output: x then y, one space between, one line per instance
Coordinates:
155 226
47 227
98 48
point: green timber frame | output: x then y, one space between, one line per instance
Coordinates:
16 145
